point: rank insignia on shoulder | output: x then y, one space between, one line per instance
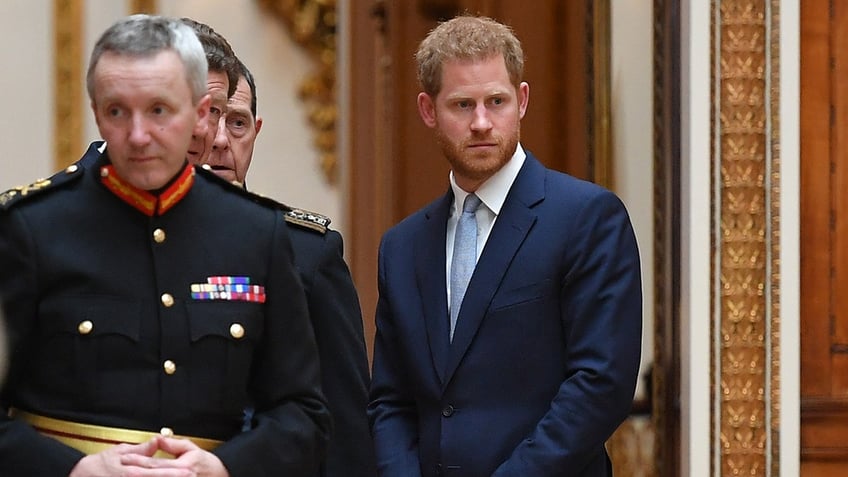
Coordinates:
16 194
310 220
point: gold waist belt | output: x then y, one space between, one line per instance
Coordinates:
91 439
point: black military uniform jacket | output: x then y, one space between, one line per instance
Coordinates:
337 320
112 322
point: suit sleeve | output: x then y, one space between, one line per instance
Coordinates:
23 451
337 320
392 410
601 311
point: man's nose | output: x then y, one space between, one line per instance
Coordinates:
481 120
221 142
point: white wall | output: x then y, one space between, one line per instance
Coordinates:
27 84
632 151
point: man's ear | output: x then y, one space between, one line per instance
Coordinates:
427 109
523 98
258 124
203 112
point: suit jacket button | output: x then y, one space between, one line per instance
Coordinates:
447 411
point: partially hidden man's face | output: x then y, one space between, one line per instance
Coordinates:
144 110
236 136
217 85
476 117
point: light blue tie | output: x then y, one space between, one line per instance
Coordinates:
464 256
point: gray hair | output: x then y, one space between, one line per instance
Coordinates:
146 35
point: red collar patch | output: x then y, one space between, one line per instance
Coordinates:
144 201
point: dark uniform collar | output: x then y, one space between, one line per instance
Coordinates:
146 202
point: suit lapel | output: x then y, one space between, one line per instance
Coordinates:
511 228
430 278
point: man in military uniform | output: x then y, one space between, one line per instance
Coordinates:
319 257
148 302
331 296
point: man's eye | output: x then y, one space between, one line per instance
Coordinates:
114 111
236 123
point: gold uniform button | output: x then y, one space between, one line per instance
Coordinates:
71 169
236 331
159 235
170 367
167 300
85 327
167 432
104 172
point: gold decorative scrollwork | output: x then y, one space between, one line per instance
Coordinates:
746 166
312 24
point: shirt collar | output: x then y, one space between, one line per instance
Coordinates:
494 190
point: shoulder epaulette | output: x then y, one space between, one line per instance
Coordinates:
19 193
310 220
239 188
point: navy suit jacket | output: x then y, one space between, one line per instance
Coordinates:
545 356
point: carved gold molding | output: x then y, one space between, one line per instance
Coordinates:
67 81
312 24
746 242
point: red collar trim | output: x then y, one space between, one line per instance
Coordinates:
144 201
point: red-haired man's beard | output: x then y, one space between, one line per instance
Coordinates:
477 158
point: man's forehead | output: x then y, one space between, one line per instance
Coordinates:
217 80
242 94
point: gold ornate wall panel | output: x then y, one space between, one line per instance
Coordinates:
746 273
67 81
631 448
312 24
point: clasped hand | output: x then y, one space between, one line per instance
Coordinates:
137 460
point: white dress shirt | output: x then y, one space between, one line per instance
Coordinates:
492 194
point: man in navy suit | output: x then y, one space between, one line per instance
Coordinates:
541 364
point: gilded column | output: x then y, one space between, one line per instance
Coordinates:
746 212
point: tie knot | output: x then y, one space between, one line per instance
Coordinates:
472 202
